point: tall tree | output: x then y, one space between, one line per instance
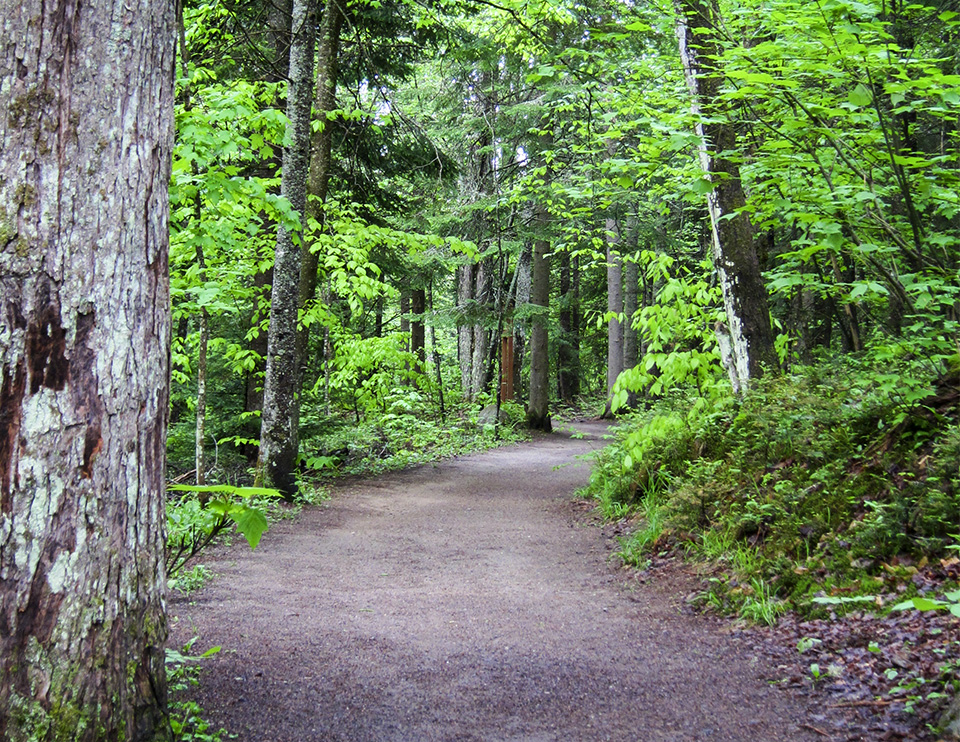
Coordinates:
538 407
87 96
734 255
568 344
279 436
321 153
614 304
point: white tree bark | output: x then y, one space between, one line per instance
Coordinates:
734 254
86 94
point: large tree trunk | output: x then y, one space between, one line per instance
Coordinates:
538 408
465 327
279 439
86 92
734 254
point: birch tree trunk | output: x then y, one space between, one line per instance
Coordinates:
279 439
734 254
86 91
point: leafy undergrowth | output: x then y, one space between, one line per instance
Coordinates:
403 436
818 503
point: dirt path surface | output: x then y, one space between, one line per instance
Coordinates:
465 601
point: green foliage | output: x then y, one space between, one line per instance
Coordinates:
197 515
186 716
815 479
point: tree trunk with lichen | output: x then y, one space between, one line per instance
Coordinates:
734 254
86 92
279 437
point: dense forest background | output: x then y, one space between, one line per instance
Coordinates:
734 225
547 205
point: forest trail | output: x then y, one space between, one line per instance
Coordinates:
466 601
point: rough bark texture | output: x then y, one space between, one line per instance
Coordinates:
279 441
615 306
538 408
86 101
278 16
204 341
734 254
321 154
474 339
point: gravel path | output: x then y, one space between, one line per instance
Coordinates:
466 601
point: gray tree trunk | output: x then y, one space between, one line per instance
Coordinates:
538 408
321 154
465 328
568 348
86 92
734 254
418 334
203 343
279 439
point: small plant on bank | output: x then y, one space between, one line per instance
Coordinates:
186 716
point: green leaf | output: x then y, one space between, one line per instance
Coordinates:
860 96
226 489
921 604
251 522
702 185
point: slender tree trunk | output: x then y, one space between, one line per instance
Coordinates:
278 38
86 91
436 360
538 408
203 342
465 328
734 254
568 347
321 155
418 335
279 439
615 308
483 359
631 294
253 384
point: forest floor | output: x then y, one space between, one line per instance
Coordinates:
474 600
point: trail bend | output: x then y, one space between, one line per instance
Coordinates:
466 602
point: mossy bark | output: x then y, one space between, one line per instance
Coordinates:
279 438
87 93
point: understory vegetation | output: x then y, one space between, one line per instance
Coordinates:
836 479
